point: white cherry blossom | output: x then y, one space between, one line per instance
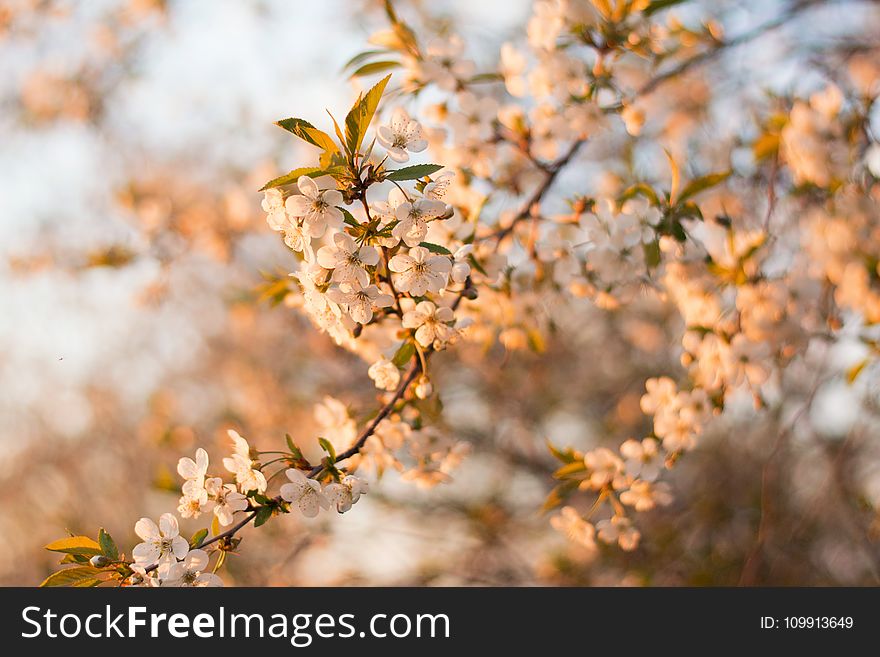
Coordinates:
401 136
419 271
161 544
316 207
304 492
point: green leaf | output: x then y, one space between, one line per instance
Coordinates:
853 372
75 558
476 264
198 537
659 5
358 119
77 576
698 185
75 545
362 57
652 254
309 133
640 189
348 217
569 469
559 495
292 176
328 447
567 455
108 545
263 514
294 450
375 67
404 354
436 248
413 172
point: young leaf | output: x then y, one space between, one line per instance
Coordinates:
292 176
413 172
659 5
309 133
108 545
328 447
348 218
694 187
436 248
75 545
568 469
676 178
197 538
567 455
375 67
294 450
404 354
362 57
559 495
77 576
358 119
263 514
640 189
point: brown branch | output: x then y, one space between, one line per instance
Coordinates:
526 210
742 39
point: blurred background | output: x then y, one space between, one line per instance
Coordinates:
133 330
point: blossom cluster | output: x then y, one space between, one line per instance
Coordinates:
397 261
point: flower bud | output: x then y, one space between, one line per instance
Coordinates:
424 387
99 561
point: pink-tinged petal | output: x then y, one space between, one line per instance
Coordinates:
425 335
209 579
333 217
298 206
145 553
336 295
314 226
419 253
398 154
413 319
401 263
368 255
414 237
403 211
396 197
146 529
187 468
308 187
260 479
327 257
384 136
168 525
361 311
417 146
224 515
170 573
399 120
444 314
237 502
290 492
202 460
418 285
332 197
440 263
425 308
196 560
309 505
383 300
